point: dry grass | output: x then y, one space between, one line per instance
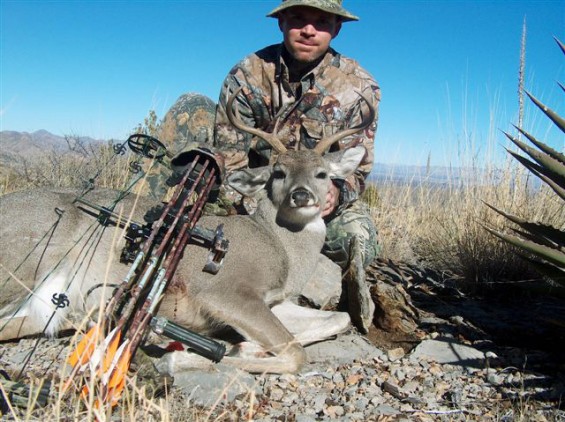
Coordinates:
74 168
442 226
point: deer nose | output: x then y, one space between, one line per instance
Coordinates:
300 197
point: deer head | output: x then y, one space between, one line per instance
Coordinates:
297 183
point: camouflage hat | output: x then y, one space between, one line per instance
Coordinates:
330 6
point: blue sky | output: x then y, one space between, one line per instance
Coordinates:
447 69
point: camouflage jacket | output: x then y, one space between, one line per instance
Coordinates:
322 103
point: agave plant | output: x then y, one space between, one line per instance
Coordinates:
544 245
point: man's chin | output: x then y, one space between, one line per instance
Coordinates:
306 58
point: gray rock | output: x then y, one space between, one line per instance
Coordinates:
355 416
449 352
325 287
395 354
385 409
361 403
223 384
319 402
305 418
393 389
495 379
345 349
277 394
338 378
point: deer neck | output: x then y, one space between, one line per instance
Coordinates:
302 247
267 214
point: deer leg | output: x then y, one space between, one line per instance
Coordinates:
253 319
311 325
17 327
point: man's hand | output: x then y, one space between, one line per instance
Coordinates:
332 200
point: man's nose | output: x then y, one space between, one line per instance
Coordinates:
309 29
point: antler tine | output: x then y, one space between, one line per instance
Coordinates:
325 143
270 138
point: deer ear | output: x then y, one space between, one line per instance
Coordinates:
344 163
249 181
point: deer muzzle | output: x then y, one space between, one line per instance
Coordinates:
302 197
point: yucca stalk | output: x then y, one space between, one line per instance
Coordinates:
541 245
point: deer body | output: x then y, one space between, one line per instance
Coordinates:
272 255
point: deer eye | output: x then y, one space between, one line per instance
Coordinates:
322 175
278 174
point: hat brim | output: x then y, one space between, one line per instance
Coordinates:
333 9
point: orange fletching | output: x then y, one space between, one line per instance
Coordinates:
111 351
115 393
121 368
85 347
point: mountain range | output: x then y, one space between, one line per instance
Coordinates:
25 144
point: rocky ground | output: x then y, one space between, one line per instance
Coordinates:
469 359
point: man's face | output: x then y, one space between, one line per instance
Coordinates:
308 32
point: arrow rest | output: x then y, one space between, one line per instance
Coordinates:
135 236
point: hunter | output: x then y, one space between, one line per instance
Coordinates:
311 91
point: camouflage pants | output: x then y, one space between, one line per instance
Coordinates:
156 187
353 221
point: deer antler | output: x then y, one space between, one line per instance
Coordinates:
270 138
325 143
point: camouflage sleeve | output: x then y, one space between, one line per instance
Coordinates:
233 143
352 188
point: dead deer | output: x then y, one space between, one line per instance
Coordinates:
272 255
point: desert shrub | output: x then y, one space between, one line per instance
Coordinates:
441 226
72 167
539 241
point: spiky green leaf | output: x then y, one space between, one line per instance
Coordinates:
560 44
537 238
544 147
537 169
543 159
560 122
551 255
549 270
549 234
556 188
